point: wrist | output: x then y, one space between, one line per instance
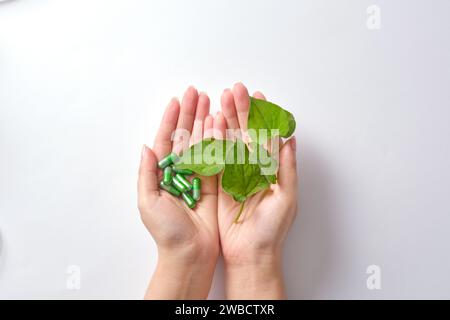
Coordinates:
189 254
176 277
262 275
183 273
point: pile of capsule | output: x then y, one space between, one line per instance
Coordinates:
175 181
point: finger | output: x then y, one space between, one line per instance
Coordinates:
200 115
163 140
208 127
229 110
209 184
220 126
242 102
185 120
259 95
268 145
287 174
148 188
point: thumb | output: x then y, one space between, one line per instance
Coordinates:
287 174
148 177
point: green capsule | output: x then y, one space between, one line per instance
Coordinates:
169 189
167 175
184 172
168 160
179 185
196 188
183 180
188 199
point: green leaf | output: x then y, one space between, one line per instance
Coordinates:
206 158
242 177
267 115
267 163
245 172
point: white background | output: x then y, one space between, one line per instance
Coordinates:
83 85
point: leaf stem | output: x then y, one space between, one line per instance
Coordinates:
236 220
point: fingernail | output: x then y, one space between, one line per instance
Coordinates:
172 101
144 151
294 143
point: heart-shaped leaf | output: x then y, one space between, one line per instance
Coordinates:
206 158
267 120
243 176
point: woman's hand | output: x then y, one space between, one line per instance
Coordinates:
252 247
187 240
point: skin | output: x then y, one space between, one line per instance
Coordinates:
189 241
252 248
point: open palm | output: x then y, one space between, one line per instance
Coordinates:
189 240
170 221
267 215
